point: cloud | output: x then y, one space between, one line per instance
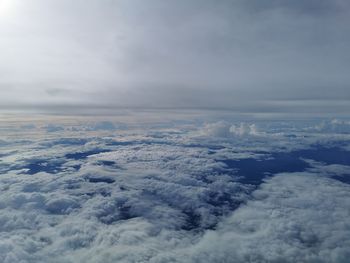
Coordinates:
248 57
28 126
293 217
226 130
218 129
244 129
333 126
104 125
162 193
53 128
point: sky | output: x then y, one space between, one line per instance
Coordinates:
246 56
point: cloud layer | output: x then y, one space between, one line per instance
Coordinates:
107 191
287 56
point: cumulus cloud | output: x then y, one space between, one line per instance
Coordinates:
244 129
161 193
293 218
333 126
226 130
218 129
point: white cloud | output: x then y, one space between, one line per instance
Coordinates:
333 126
218 129
226 130
161 195
293 218
244 129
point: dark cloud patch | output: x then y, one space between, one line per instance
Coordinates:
312 7
66 142
53 128
33 166
85 154
254 171
49 166
107 180
104 125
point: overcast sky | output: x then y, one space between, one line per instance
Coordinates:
244 55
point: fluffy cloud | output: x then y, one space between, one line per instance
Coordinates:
225 130
293 218
333 126
244 129
165 194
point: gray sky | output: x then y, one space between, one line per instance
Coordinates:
244 55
